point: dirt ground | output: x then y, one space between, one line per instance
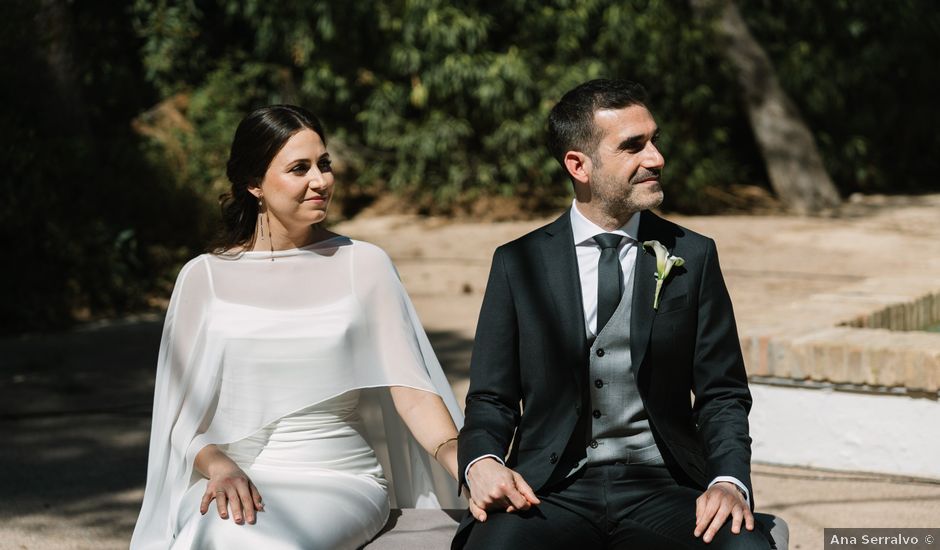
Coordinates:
75 406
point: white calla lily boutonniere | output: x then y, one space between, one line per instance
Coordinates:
664 264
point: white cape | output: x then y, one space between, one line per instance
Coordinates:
228 366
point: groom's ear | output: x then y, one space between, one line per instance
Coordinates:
579 166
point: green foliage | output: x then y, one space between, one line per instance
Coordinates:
117 122
863 75
446 101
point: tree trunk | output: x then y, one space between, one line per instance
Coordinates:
54 25
795 168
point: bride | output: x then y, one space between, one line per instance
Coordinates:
297 397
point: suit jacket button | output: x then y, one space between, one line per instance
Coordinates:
596 413
600 352
553 459
593 443
598 383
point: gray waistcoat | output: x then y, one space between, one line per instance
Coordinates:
620 430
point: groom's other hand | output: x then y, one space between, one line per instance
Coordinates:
714 506
493 485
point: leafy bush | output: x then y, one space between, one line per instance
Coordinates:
117 122
447 101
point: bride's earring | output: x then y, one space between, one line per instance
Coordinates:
270 240
265 219
260 222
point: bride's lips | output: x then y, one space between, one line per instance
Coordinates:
318 199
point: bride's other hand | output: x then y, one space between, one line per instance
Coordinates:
228 485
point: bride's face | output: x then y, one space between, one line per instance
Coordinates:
298 184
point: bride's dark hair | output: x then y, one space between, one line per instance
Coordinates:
258 139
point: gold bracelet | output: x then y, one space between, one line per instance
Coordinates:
445 442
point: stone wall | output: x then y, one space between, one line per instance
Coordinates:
865 336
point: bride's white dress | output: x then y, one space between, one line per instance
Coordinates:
320 481
286 365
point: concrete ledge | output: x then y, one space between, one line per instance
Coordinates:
848 383
411 529
850 431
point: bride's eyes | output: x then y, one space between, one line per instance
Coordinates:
324 165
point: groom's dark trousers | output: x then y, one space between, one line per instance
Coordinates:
530 394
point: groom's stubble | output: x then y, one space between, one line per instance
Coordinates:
620 198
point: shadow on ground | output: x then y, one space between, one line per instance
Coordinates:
75 413
453 351
75 418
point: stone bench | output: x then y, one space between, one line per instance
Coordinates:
411 529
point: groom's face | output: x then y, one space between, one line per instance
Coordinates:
626 164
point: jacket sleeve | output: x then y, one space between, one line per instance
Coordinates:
722 399
492 407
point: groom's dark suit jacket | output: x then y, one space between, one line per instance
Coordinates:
531 347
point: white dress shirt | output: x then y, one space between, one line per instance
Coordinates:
588 254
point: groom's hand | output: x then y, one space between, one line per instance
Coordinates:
714 506
493 486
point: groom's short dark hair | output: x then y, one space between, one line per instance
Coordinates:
571 120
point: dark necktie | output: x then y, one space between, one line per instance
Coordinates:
609 278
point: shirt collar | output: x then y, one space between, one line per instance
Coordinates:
584 229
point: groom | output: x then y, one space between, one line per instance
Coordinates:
580 429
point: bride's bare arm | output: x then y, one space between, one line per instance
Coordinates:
428 420
228 485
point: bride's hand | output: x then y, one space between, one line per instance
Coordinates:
230 487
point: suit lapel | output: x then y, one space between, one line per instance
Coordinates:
564 281
644 286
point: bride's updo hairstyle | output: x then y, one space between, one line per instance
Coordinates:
258 139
